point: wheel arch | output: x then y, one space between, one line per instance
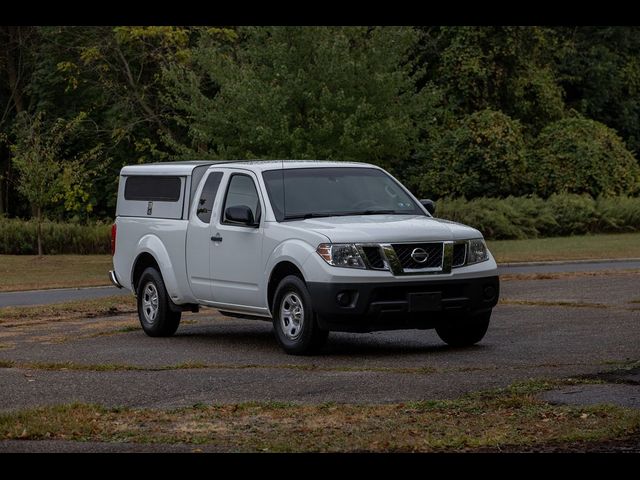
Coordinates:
143 261
281 270
153 253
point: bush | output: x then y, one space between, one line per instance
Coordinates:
578 155
532 217
483 156
18 237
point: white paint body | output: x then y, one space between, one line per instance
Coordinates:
233 275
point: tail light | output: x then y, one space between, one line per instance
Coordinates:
114 229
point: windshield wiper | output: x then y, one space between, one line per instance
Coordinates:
370 212
304 216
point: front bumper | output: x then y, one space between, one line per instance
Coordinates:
362 307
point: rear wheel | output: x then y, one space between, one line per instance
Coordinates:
294 320
156 318
463 332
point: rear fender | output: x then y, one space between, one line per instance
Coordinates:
154 246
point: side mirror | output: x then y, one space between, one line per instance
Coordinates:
240 214
430 205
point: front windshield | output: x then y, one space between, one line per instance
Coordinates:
324 192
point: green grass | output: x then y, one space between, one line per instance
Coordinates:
506 417
30 272
583 247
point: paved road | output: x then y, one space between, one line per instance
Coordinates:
57 295
41 297
533 334
544 328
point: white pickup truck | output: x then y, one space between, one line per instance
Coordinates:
313 246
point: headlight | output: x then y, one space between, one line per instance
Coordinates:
478 251
340 255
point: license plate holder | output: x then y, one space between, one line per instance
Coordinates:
425 302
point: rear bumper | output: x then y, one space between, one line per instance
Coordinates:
362 307
114 279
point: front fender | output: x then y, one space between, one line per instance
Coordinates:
154 246
294 251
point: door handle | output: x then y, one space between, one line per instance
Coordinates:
217 238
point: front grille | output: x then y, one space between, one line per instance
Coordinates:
459 254
374 257
404 250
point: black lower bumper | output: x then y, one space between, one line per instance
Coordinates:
365 307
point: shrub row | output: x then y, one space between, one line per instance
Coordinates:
507 218
18 237
490 154
532 217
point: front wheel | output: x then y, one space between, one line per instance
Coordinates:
464 332
294 320
156 318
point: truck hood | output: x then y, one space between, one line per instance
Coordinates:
387 229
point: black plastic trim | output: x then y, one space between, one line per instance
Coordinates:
387 306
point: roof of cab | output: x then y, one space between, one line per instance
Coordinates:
186 168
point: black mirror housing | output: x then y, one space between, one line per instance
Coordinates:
240 214
430 205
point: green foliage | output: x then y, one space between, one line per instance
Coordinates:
533 217
451 111
45 176
18 237
483 156
599 69
501 68
290 92
578 155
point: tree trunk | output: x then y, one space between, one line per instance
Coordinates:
13 73
3 182
5 172
11 52
39 229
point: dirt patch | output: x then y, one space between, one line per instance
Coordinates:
557 275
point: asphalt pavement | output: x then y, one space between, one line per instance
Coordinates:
542 328
59 295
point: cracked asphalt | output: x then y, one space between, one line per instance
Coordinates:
543 329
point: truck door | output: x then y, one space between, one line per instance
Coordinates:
198 245
236 254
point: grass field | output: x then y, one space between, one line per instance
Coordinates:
28 272
501 418
584 247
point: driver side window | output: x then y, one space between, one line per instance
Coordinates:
242 192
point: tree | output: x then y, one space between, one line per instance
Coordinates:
483 155
291 92
599 68
17 45
45 176
579 155
113 74
508 69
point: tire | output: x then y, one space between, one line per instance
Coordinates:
464 332
294 321
155 316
